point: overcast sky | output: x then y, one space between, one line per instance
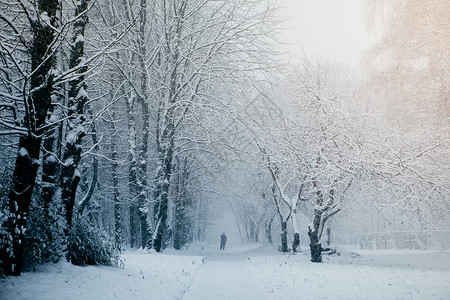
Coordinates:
334 29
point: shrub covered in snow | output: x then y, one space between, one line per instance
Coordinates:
5 236
90 245
5 242
44 240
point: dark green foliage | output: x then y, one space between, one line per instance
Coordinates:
90 245
44 239
5 243
184 222
6 250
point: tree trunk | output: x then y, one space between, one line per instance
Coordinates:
251 230
181 228
134 229
161 209
37 105
52 211
296 242
315 246
166 135
177 228
70 175
328 236
90 191
132 172
115 178
182 225
284 239
268 229
142 183
161 196
23 181
117 206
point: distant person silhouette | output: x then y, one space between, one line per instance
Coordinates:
223 241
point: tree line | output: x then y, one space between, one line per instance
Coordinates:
126 122
107 105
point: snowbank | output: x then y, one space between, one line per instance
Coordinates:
144 276
354 276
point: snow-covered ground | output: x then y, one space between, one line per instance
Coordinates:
144 276
387 275
243 272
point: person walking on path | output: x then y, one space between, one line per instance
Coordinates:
223 241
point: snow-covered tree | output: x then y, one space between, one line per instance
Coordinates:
28 44
410 63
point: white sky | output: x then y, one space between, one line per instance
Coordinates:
333 29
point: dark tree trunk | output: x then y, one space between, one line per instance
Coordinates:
322 213
70 175
284 239
162 195
328 236
296 242
134 208
50 170
251 230
182 224
142 186
178 229
37 105
52 228
117 206
90 191
165 136
23 181
145 237
268 229
134 229
142 175
315 246
115 178
132 172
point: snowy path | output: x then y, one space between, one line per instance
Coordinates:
249 272
241 272
226 276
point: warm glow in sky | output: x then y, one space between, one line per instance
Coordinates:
327 28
